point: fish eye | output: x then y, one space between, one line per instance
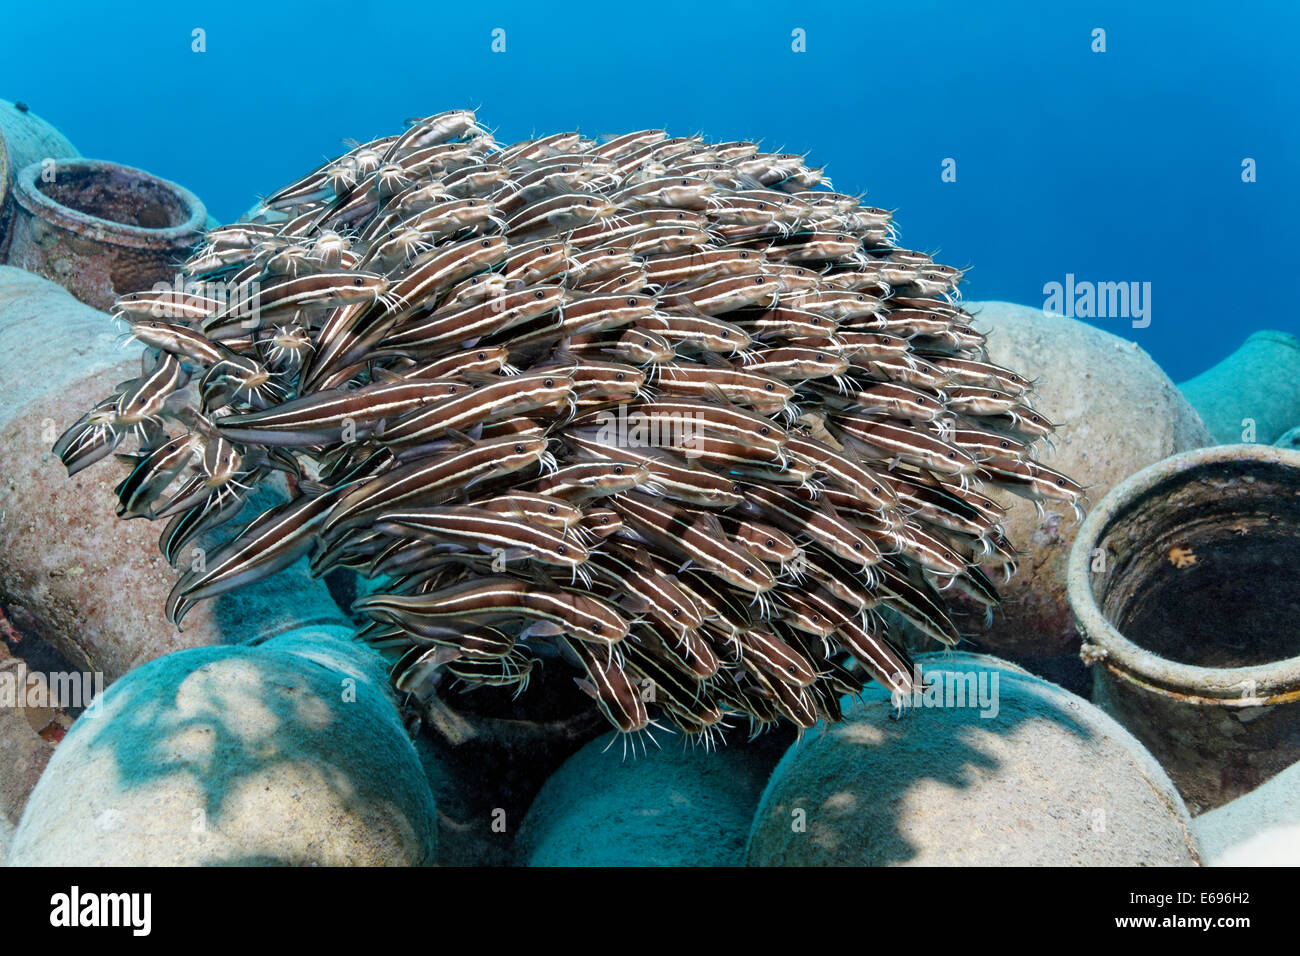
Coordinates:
631 301
765 430
770 387
770 542
1005 444
618 469
485 243
749 572
759 280
539 294
549 383
952 454
1060 482
620 377
482 356
857 545
451 390
685 182
546 249
676 612
550 509
597 627
726 334
920 401
358 281
744 255
561 549
519 449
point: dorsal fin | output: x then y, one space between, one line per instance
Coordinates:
561 356
708 522
312 489
641 558
714 360
542 577
458 437
718 396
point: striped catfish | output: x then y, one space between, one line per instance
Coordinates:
803 517
616 695
144 399
550 612
587 480
887 441
429 480
537 509
286 295
697 486
633 570
274 540
323 417
503 398
486 530
152 473
694 536
467 323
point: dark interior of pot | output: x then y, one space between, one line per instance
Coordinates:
1204 569
117 195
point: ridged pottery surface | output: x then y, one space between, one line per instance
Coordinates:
997 768
1117 411
102 230
1186 582
1254 394
289 753
25 138
92 585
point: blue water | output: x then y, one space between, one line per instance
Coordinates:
1122 166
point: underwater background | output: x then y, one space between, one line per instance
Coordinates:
1041 665
1119 166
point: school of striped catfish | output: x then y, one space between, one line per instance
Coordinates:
673 411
